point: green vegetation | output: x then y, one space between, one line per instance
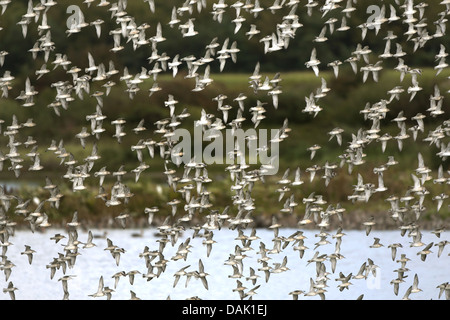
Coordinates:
338 111
341 108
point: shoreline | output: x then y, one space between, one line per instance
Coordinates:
382 222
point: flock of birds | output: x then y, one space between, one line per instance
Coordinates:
192 184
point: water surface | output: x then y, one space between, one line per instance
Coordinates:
34 280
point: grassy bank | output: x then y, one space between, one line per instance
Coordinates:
341 108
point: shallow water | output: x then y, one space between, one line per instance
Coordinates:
33 281
17 184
